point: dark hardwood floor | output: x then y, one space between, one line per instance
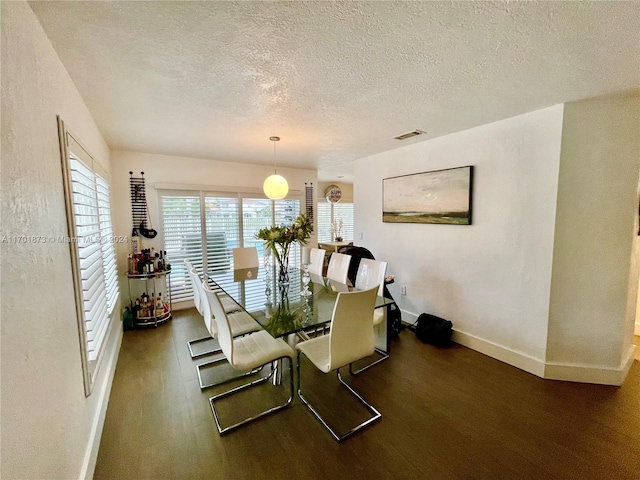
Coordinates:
446 414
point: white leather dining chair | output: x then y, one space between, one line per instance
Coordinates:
245 257
249 353
350 339
194 280
338 267
241 324
317 261
371 273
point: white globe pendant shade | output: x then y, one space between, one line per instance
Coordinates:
275 187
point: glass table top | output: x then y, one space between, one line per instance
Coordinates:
284 309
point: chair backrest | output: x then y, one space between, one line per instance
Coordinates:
224 336
338 267
351 335
356 253
194 278
246 257
317 261
207 313
371 273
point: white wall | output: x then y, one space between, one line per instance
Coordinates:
49 429
186 172
592 310
492 278
546 278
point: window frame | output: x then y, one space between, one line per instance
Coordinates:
332 216
204 192
69 145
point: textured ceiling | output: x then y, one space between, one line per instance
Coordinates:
335 80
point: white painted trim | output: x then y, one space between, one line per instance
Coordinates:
637 329
212 188
590 373
93 445
506 355
549 371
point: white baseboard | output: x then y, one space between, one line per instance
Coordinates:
103 390
506 355
590 373
540 368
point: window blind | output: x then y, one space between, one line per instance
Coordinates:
182 234
229 222
95 252
324 222
343 212
334 212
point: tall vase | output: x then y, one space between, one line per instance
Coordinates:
283 269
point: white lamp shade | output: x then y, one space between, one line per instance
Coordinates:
275 187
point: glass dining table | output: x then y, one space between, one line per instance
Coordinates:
285 309
290 309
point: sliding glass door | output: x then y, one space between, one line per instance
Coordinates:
205 227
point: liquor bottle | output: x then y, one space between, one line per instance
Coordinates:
136 243
159 306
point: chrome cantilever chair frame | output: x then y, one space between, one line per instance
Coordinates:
269 349
339 438
370 273
223 430
354 321
211 326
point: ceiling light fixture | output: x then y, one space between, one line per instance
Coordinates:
275 186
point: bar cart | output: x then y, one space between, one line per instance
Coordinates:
157 308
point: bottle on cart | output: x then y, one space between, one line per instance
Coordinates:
159 306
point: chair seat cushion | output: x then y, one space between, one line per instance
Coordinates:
242 323
317 350
229 304
258 348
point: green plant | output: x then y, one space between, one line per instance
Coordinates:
280 238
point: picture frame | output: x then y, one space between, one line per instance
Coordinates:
437 197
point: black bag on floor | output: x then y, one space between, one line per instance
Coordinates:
433 330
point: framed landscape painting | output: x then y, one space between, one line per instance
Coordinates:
441 196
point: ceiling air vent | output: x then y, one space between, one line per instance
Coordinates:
413 133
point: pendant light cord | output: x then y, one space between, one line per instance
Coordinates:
275 163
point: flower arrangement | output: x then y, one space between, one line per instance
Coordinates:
278 239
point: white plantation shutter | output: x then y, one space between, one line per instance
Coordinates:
182 235
90 238
108 247
329 212
324 222
230 221
93 280
344 212
257 213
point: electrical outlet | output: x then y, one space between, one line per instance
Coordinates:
361 235
403 290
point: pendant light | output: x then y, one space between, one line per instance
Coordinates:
275 186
